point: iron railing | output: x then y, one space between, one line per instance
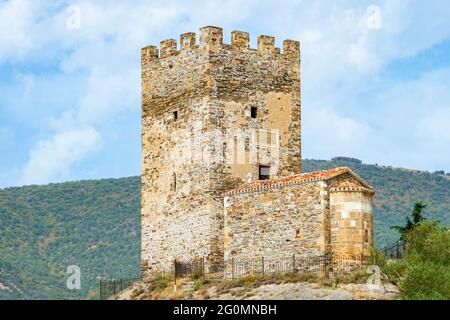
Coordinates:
109 288
321 265
395 250
183 269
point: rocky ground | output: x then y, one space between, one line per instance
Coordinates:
271 291
305 291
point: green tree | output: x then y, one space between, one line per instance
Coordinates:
426 272
417 218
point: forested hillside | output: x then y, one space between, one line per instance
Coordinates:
44 229
95 225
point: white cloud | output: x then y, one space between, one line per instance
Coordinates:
436 127
339 48
411 119
52 159
106 96
326 132
15 17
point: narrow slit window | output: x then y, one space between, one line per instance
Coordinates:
254 112
174 182
264 172
224 152
366 235
175 115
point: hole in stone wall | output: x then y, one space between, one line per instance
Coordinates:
254 112
247 144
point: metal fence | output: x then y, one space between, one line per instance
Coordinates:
238 268
109 288
395 250
321 265
192 268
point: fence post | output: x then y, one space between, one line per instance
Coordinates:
232 268
203 267
175 272
262 264
398 250
328 264
293 262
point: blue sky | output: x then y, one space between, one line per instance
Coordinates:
375 79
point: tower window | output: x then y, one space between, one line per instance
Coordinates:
175 115
224 151
174 182
264 172
366 235
254 112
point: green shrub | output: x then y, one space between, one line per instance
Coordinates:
197 274
429 242
424 272
300 277
394 271
377 258
160 282
200 284
426 281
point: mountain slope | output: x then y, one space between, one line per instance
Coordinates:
44 229
95 226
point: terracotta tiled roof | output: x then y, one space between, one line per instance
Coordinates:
299 178
350 186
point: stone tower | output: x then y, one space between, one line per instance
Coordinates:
214 116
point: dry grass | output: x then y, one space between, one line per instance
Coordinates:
358 277
162 286
254 281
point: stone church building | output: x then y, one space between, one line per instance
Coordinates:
221 158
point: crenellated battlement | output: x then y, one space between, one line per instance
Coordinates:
211 40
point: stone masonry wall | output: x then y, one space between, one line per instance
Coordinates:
276 222
351 223
305 218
